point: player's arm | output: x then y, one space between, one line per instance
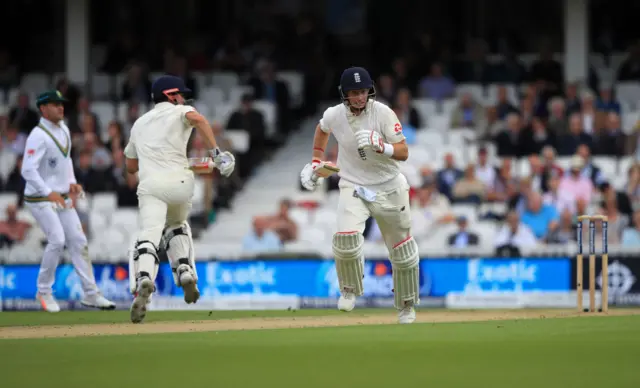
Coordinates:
35 149
131 155
400 151
320 141
224 161
201 124
396 146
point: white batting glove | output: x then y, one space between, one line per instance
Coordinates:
308 177
370 139
224 161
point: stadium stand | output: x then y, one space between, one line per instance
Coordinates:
478 147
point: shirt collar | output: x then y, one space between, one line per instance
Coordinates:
163 105
49 123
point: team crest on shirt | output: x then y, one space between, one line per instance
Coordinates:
53 162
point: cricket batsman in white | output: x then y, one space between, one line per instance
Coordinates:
157 151
370 144
50 192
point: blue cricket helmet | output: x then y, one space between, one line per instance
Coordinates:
168 84
355 78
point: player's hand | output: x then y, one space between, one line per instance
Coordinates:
224 161
370 139
57 199
308 178
75 188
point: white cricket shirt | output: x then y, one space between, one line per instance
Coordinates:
159 141
47 164
377 168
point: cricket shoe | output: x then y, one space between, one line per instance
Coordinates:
146 287
98 301
188 284
407 314
48 303
347 301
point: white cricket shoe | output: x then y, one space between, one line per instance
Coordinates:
188 284
407 314
347 301
98 301
146 287
48 302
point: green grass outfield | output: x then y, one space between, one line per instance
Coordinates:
585 351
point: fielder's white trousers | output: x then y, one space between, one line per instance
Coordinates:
164 201
62 227
390 209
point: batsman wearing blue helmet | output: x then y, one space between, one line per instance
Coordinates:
157 151
370 146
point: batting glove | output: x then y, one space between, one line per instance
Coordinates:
224 161
308 177
370 139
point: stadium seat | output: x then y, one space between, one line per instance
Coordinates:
34 83
7 163
439 122
460 137
426 108
312 234
201 79
239 138
624 164
295 84
429 138
225 80
105 203
104 110
222 112
212 96
125 220
97 223
476 91
101 86
512 94
468 211
268 110
608 165
628 91
236 93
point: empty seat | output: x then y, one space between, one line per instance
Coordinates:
225 80
239 139
222 112
100 86
34 83
105 203
430 138
212 95
295 84
268 110
608 166
236 93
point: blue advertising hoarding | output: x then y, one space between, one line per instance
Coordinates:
309 278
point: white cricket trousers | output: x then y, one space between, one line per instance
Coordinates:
390 209
164 201
62 227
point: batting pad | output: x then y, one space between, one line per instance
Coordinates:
178 244
348 250
406 273
142 258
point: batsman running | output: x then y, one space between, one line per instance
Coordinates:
157 151
370 144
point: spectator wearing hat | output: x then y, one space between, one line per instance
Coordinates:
463 238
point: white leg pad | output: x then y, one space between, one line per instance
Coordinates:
142 258
405 263
178 243
348 252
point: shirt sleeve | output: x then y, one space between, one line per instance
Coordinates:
184 109
35 149
326 121
72 174
130 149
391 128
